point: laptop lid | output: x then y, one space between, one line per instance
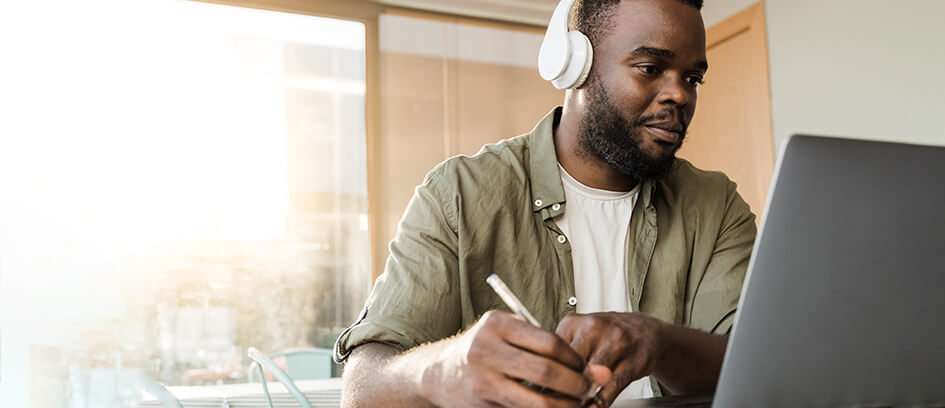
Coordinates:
845 294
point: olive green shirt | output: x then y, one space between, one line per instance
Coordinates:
691 235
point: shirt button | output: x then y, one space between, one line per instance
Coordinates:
556 207
572 300
537 203
562 239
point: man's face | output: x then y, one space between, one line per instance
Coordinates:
641 95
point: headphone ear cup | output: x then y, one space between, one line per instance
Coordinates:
579 62
588 55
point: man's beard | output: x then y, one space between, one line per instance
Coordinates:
613 139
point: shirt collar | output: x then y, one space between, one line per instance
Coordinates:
546 186
545 176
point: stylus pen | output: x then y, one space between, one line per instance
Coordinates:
516 305
510 299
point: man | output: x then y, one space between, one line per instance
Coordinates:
631 260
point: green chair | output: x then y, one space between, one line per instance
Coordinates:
306 364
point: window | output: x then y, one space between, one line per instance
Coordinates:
181 181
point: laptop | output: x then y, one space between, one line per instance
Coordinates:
844 302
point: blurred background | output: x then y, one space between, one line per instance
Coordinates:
183 180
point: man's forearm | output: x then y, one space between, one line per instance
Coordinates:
692 360
378 375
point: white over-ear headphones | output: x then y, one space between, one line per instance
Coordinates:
565 56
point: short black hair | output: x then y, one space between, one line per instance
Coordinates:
594 17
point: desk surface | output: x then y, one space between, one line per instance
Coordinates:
320 393
327 394
687 402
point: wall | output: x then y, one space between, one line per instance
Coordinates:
714 11
853 68
866 69
532 12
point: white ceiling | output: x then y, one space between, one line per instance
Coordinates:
535 12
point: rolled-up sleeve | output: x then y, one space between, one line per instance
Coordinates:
416 299
716 299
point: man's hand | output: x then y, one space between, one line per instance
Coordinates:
630 344
485 366
634 345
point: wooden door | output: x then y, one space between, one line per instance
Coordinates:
731 130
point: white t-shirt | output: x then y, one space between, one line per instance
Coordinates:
596 223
